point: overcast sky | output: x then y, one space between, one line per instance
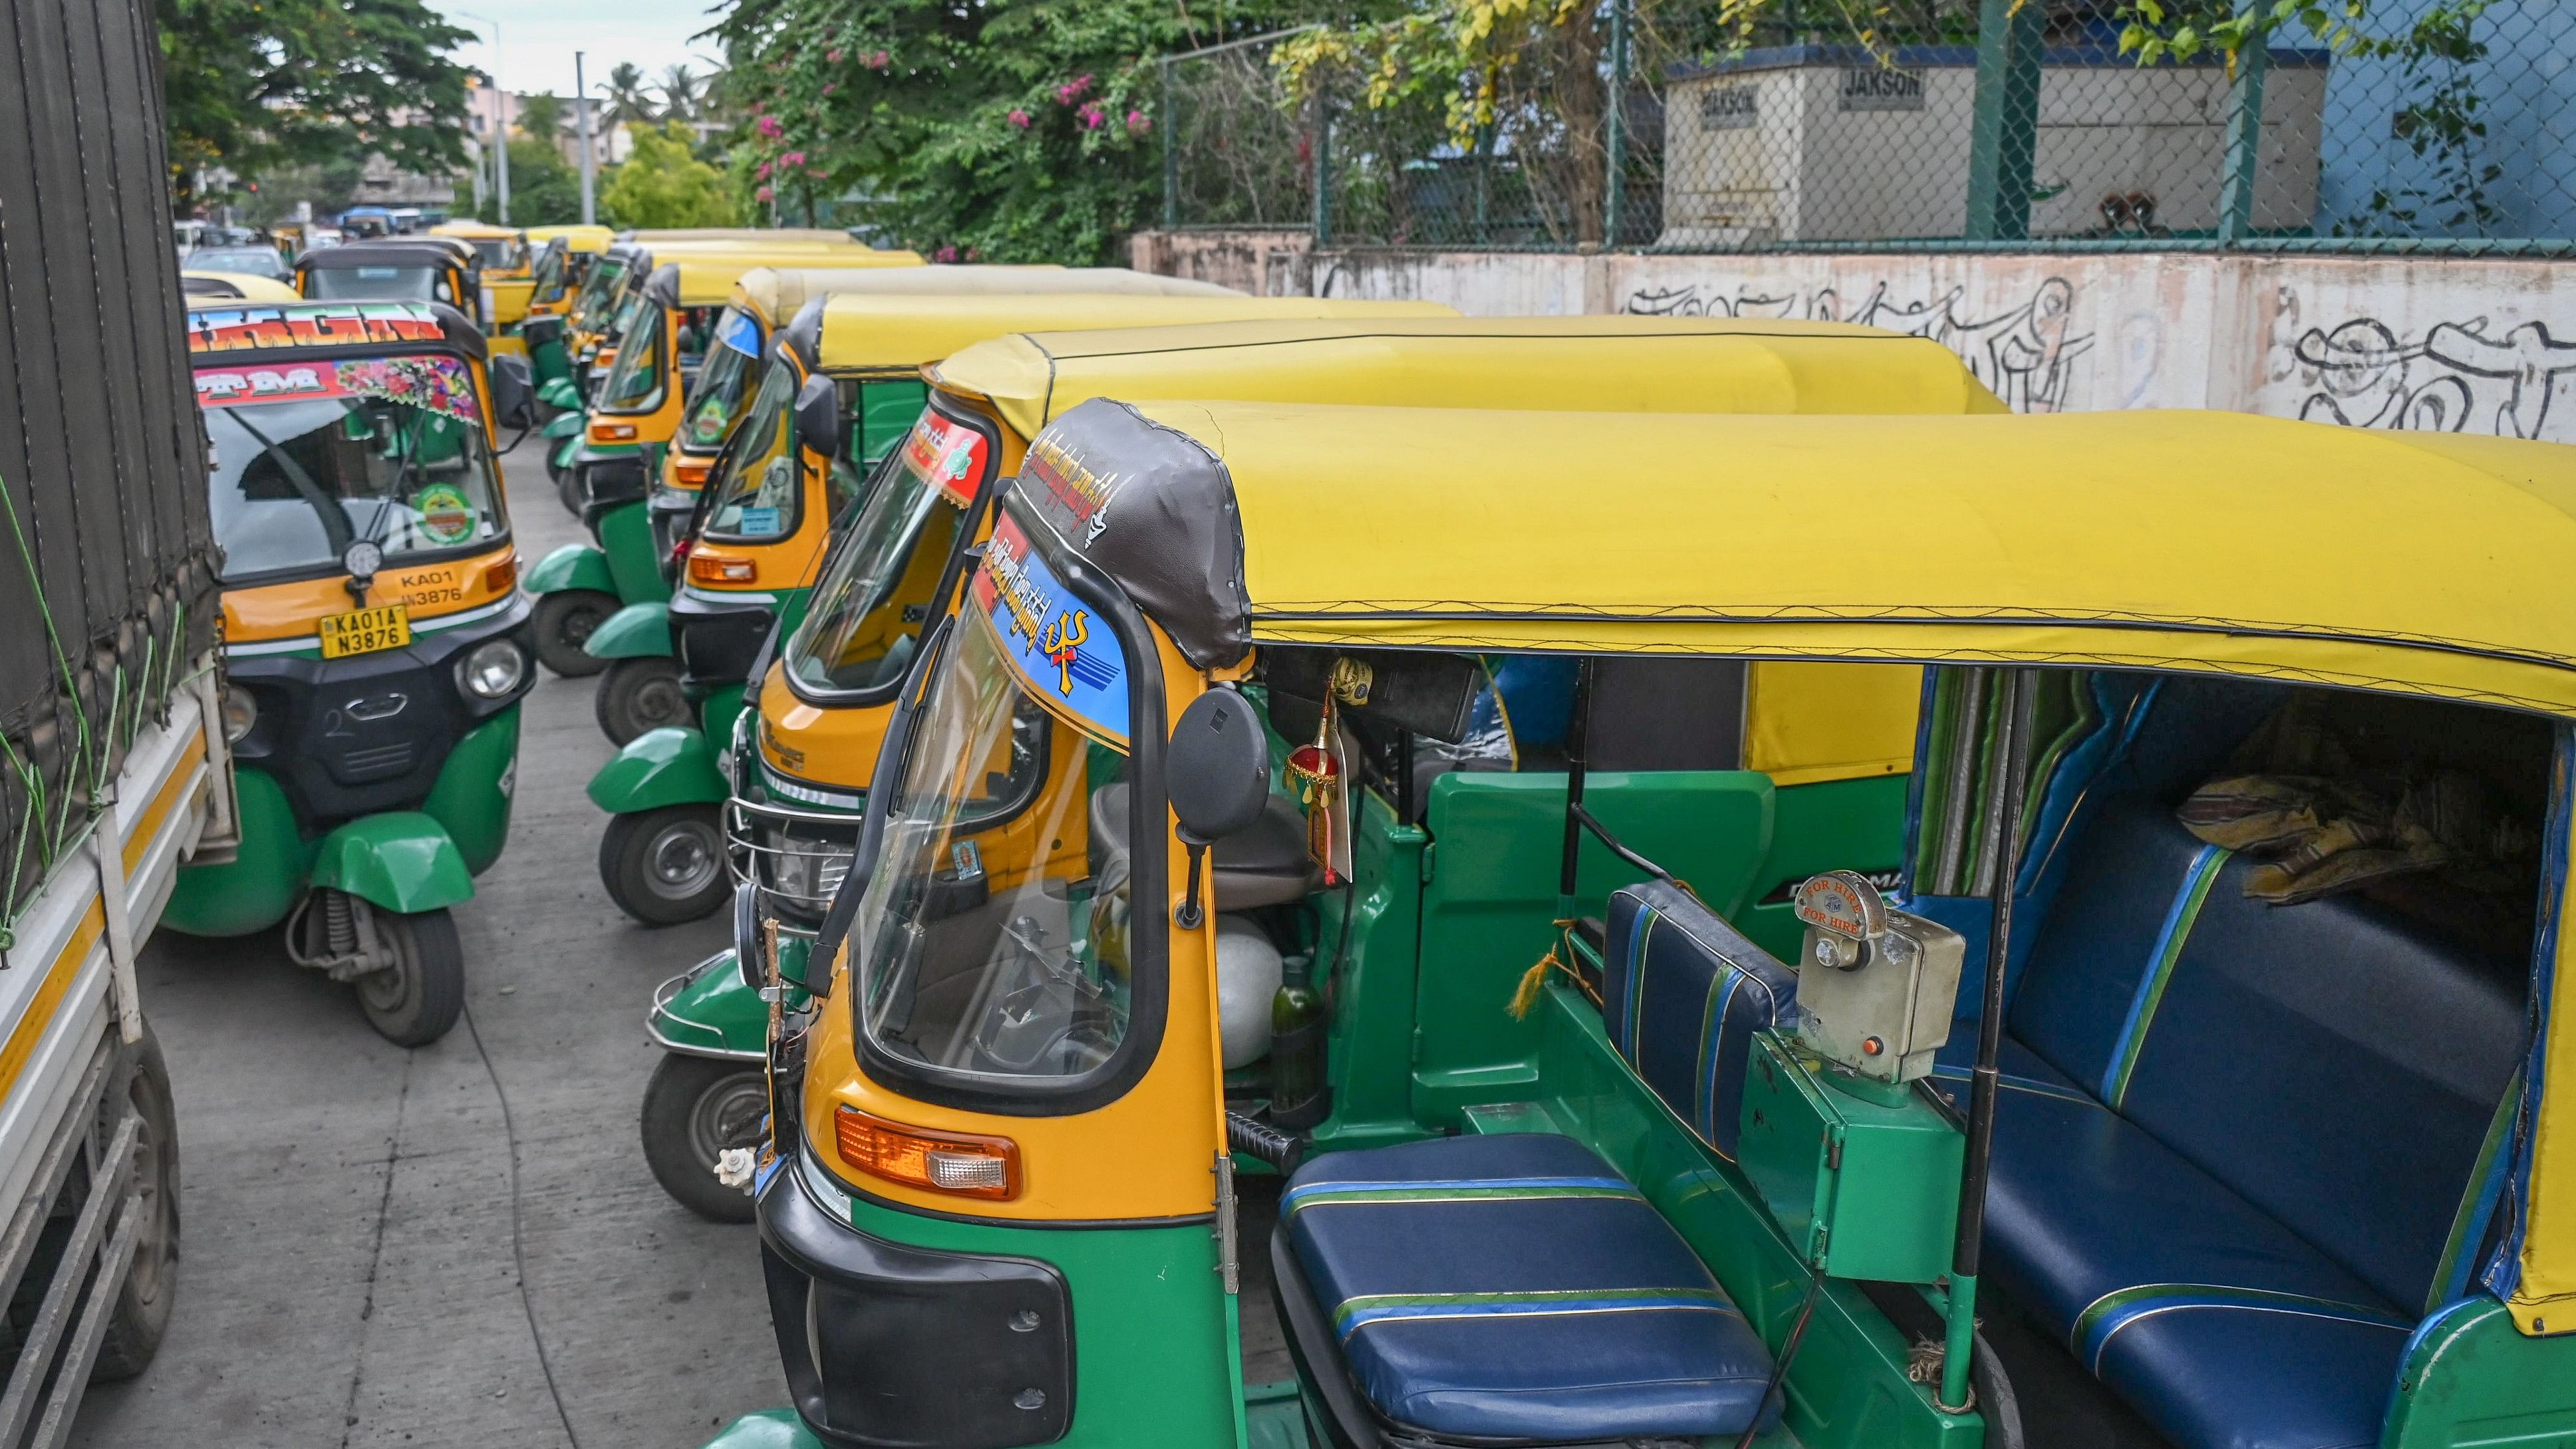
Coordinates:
538 41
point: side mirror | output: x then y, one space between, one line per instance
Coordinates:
513 392
818 416
1217 774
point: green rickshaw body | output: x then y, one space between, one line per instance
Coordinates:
711 1011
638 631
669 766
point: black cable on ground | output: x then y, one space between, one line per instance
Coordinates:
518 1246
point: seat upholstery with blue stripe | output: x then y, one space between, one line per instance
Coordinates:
2241 1149
1515 1288
1682 994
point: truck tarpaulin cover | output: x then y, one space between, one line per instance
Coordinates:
107 568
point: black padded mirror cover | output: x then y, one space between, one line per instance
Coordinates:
1154 509
1218 768
818 416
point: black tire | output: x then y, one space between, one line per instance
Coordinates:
143 1304
562 624
641 694
666 866
414 1002
693 1108
568 488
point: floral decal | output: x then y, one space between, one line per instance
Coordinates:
437 384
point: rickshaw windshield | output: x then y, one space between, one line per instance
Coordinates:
309 458
635 379
974 960
723 378
376 284
867 610
547 274
598 290
499 254
753 495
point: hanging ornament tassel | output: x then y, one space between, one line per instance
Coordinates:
1317 769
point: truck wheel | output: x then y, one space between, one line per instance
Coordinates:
142 1311
639 695
665 866
562 624
694 1108
414 1002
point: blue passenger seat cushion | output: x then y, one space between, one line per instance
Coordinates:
1515 1287
1683 992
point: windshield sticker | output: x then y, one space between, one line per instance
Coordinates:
1063 653
446 514
437 384
738 331
311 324
947 453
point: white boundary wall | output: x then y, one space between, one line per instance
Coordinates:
2435 343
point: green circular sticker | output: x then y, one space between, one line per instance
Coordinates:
445 514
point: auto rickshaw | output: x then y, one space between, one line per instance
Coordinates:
371 640
768 235
508 273
2192 1086
234 287
589 630
418 268
600 320
1835 748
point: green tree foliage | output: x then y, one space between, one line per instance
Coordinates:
663 185
544 189
1010 130
254 86
542 116
630 99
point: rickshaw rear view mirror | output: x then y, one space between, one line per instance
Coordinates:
818 416
1217 773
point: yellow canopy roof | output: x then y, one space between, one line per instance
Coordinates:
472 230
574 238
776 293
245 287
739 233
869 333
2418 563
1619 364
708 280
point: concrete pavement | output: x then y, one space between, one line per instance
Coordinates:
351 1246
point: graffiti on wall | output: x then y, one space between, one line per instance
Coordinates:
2025 353
2473 376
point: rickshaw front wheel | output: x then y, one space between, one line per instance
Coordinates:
414 1001
695 1108
641 694
562 624
665 866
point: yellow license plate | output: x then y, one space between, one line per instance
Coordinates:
364 631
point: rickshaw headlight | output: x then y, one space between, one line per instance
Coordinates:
241 712
491 670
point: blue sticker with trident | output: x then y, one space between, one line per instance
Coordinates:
1064 652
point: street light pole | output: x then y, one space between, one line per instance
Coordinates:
589 163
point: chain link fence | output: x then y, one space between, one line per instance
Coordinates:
1952 123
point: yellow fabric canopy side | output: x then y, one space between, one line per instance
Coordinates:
864 333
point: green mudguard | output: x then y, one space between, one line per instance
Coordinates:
471 798
768 1429
572 566
711 1012
571 424
402 860
670 766
557 392
638 631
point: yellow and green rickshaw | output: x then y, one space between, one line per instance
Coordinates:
1834 747
503 254
2193 1085
395 269
372 645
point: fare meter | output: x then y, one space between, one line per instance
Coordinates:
1876 986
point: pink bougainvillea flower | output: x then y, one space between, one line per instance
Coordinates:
1072 90
761 172
770 128
830 86
792 158
880 61
944 254
1019 118
1137 124
833 55
1092 117
765 194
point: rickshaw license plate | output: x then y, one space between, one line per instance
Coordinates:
364 631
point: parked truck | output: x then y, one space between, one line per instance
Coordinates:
113 758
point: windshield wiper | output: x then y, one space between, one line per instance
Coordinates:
335 524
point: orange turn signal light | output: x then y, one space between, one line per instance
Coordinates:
612 432
950 1162
501 574
692 475
708 570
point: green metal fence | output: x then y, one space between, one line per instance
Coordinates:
1951 124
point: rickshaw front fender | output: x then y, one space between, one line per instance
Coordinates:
573 566
710 1011
572 424
768 1429
638 631
557 392
402 860
668 766
472 795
